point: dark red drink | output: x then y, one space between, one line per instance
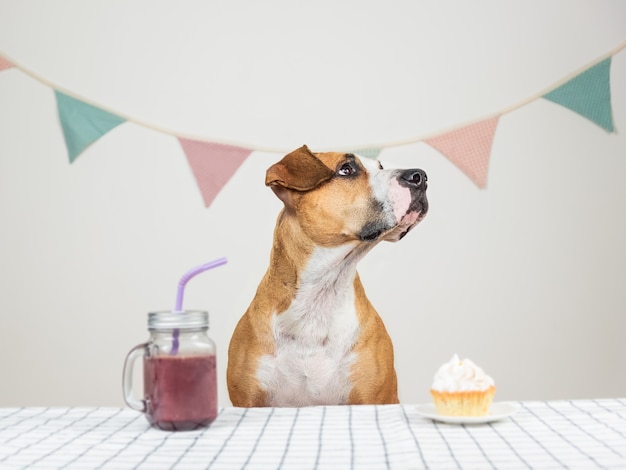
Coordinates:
181 391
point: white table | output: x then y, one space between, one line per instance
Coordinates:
554 434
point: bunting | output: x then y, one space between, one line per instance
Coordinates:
82 123
586 92
370 152
212 164
469 148
5 64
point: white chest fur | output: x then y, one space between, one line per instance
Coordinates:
314 336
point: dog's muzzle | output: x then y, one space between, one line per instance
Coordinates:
407 206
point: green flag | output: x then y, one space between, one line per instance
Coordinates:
82 123
369 152
588 94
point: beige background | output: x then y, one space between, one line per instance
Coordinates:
526 277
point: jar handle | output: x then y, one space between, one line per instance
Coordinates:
127 378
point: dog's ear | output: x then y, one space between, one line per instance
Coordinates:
299 170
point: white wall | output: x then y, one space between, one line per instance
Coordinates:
526 277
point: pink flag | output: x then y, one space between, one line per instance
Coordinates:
212 164
469 148
5 64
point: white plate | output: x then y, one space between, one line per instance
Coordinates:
497 411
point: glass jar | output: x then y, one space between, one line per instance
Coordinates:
179 372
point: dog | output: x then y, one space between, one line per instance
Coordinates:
310 335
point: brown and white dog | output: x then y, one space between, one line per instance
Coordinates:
310 335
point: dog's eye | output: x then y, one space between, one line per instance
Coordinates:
380 165
347 169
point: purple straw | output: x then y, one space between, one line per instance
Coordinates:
181 292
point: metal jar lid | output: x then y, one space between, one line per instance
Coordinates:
169 320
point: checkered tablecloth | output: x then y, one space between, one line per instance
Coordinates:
554 434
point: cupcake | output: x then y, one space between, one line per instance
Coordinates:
461 388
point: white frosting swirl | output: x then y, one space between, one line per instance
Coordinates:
461 376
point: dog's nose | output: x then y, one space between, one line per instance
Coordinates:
415 178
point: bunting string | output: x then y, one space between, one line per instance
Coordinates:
585 91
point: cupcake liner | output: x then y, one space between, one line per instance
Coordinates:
469 403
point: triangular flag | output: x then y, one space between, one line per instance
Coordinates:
82 123
5 64
588 94
212 164
469 148
369 152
